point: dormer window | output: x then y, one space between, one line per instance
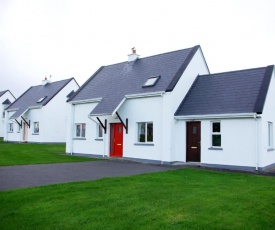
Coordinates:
151 81
41 99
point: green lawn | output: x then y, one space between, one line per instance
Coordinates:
26 153
179 199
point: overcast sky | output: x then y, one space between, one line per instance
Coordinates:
73 38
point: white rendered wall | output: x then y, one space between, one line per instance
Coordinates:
33 115
179 142
171 103
142 110
136 110
268 154
90 144
238 137
54 116
4 97
10 136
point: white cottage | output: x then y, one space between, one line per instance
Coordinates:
6 98
39 114
227 120
127 109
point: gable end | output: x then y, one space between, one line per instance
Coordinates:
259 105
180 111
58 91
176 78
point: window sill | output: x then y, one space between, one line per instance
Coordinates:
270 149
35 133
98 139
79 138
10 132
215 148
145 144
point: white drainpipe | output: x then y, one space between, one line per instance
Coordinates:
257 145
72 128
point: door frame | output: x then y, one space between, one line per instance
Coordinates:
198 145
112 133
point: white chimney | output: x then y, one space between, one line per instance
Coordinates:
45 81
133 56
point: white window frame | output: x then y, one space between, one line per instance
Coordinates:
81 135
36 127
10 127
151 81
145 132
41 99
99 131
215 133
270 134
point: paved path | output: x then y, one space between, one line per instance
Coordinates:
12 177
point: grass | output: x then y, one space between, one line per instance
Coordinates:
177 199
26 153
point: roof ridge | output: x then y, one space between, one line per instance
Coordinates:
232 71
182 68
68 79
154 55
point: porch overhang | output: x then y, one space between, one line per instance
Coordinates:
93 100
18 114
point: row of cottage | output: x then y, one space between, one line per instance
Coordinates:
164 109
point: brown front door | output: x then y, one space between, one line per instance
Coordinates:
193 141
116 140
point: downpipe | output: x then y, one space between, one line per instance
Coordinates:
257 147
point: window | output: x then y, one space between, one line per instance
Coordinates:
99 131
36 127
80 130
216 134
151 81
41 99
145 132
3 116
11 127
270 134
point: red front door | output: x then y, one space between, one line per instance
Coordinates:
116 140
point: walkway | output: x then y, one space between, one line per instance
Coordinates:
12 177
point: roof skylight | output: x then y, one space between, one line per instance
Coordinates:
41 99
151 81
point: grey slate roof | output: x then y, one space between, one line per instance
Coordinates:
34 93
234 92
3 92
113 82
6 102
